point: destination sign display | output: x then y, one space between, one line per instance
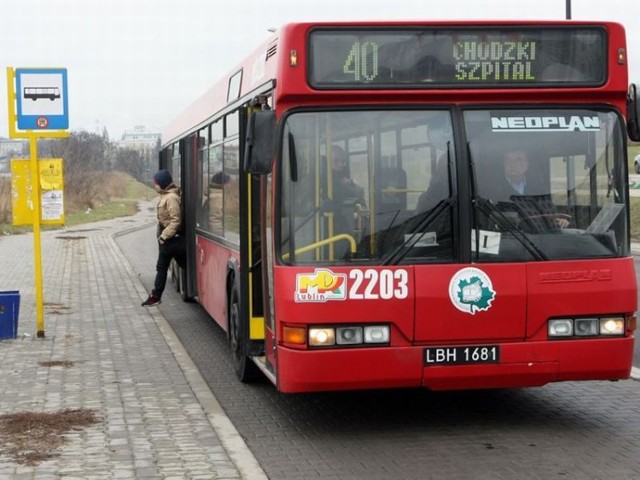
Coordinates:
457 57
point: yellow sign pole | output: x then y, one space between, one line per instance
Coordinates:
37 244
12 102
35 193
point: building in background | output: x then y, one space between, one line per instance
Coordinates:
137 152
140 138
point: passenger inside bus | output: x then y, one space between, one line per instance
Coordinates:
348 199
345 188
438 189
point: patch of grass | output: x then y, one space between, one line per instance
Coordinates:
113 209
632 151
635 217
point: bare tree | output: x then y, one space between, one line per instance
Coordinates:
131 162
85 163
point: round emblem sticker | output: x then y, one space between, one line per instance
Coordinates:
471 291
42 122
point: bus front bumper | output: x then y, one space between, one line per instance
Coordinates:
522 364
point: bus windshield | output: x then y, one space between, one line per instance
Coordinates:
549 184
384 186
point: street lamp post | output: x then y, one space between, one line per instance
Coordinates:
568 9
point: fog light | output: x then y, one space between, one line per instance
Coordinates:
586 327
376 334
612 326
349 335
322 337
561 327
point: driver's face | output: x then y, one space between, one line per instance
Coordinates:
339 162
516 164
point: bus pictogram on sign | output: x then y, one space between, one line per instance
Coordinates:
38 93
42 101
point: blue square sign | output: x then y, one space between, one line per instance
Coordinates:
42 98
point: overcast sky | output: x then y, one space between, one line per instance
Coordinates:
140 62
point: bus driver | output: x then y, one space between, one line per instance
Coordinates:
516 182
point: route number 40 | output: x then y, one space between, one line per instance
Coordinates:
362 61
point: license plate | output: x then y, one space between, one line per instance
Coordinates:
464 355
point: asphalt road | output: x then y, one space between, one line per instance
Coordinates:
575 430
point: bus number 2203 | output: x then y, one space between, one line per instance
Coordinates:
373 284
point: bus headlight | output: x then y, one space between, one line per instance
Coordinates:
349 335
376 334
612 326
586 327
322 337
561 327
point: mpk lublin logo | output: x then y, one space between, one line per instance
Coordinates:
471 291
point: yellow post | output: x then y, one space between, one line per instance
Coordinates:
12 103
37 245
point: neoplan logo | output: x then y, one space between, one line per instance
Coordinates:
572 123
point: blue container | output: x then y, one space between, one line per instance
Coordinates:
9 310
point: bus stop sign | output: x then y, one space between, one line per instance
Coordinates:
42 99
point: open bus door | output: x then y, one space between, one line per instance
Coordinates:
187 286
247 314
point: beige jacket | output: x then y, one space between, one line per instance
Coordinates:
168 211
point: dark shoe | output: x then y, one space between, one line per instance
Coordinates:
151 301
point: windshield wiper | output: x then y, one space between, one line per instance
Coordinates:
293 157
474 199
506 225
427 218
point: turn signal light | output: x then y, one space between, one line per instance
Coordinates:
632 323
294 335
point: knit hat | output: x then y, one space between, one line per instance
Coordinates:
162 178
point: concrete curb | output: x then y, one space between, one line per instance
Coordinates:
231 440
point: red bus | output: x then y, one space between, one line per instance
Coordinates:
415 204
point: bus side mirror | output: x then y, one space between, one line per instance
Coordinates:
260 142
633 113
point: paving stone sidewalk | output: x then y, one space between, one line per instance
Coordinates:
157 418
